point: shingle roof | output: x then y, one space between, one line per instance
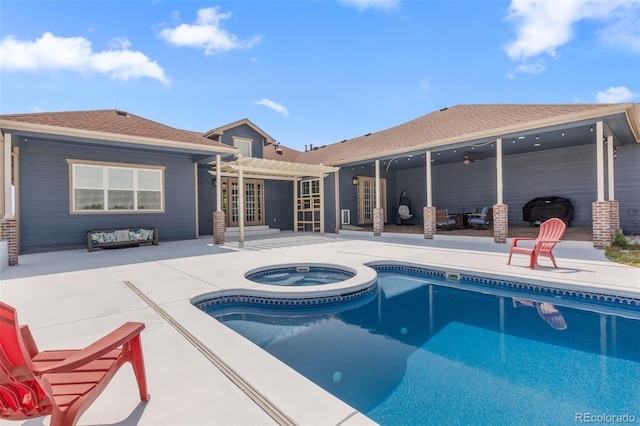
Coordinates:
112 121
288 154
447 124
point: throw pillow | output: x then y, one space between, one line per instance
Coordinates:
122 235
135 235
109 237
97 237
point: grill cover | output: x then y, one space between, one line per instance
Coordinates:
540 209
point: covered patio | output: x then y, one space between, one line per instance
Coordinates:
577 152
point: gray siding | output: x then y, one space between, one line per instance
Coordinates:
627 190
564 172
278 199
206 201
247 132
45 220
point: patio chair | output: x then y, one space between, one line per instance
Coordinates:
551 231
62 383
482 219
404 208
444 220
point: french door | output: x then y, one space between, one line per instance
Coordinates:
367 198
253 201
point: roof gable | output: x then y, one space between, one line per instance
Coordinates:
220 130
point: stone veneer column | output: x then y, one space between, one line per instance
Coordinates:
429 215
500 223
219 227
614 217
601 216
9 233
378 221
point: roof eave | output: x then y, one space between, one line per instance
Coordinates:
627 109
116 137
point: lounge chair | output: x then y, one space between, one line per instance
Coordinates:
444 220
482 219
550 234
404 208
62 383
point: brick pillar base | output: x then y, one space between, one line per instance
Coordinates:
500 223
614 217
601 216
219 228
9 233
429 215
378 221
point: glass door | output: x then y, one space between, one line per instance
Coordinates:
253 201
367 198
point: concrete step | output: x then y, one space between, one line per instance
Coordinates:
234 231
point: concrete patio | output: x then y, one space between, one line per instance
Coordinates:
71 298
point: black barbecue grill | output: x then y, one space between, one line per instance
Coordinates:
540 209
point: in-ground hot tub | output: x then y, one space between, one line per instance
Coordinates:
300 275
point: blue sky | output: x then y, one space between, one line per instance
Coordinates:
316 71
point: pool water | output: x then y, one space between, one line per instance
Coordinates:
423 353
300 276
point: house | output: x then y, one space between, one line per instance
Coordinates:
77 171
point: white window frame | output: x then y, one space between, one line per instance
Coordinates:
310 188
239 142
105 167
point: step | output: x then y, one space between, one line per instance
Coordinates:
234 231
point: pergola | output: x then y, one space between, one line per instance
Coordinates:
258 168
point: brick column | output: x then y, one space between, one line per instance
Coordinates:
9 233
429 215
378 221
219 228
614 217
601 216
500 223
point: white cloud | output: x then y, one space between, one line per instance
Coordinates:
75 54
207 33
535 68
545 25
273 105
371 4
615 95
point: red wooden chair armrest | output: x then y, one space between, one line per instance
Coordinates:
111 341
549 241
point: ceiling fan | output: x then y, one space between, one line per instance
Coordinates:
466 158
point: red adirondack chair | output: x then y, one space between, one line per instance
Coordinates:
62 383
551 231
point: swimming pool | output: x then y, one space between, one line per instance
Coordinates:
427 350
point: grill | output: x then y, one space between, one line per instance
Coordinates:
540 209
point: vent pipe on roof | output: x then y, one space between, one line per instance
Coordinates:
122 113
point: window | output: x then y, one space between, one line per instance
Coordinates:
310 188
115 187
244 145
